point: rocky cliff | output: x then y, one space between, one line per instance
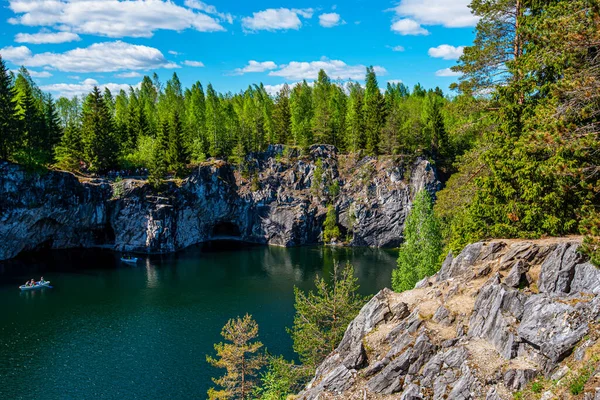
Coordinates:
502 320
276 198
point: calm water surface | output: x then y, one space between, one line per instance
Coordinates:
113 331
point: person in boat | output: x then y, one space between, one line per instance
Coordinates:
41 280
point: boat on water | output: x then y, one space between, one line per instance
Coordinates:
129 260
38 285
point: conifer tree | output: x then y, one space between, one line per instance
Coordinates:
52 129
214 123
373 112
240 355
355 139
331 230
282 117
322 118
8 118
31 120
434 126
323 316
99 144
419 255
196 121
302 111
177 153
70 150
160 165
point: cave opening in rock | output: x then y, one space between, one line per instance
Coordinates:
226 229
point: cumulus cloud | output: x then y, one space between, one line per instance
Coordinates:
329 20
395 81
448 13
112 18
199 5
71 90
46 37
273 19
99 57
409 27
256 66
131 74
336 69
446 52
397 48
447 72
190 63
174 53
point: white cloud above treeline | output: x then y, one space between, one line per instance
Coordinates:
446 52
256 66
411 15
447 72
335 69
99 57
274 19
115 18
71 90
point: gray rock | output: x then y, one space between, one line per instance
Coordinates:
517 379
560 373
586 279
462 264
491 251
401 311
412 392
443 316
552 327
558 269
390 379
462 388
492 394
517 275
519 251
496 309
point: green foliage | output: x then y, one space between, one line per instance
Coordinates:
578 381
420 253
99 142
323 316
373 112
331 230
537 387
240 355
334 189
281 379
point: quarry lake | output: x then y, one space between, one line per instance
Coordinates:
108 330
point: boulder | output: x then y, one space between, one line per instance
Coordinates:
558 269
462 264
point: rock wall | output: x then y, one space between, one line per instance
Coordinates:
495 318
276 200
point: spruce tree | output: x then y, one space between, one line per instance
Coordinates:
373 112
282 116
8 117
53 130
214 123
322 126
177 153
195 104
355 139
160 164
302 111
99 144
419 255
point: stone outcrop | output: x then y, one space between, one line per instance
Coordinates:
274 199
495 318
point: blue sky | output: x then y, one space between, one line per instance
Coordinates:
70 45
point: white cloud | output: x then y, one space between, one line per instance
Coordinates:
446 52
276 19
99 57
47 37
42 74
409 27
199 5
446 72
336 69
395 81
256 66
190 63
112 18
329 20
398 48
274 89
131 74
71 90
448 13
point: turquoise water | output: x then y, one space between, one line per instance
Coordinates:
112 331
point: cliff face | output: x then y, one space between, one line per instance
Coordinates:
277 200
495 318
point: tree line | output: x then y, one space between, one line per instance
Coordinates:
164 127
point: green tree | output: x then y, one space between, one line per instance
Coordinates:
322 124
282 117
281 379
214 124
99 144
419 255
302 112
323 316
331 230
240 355
177 153
373 112
355 139
70 150
8 113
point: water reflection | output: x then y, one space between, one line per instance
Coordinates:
151 274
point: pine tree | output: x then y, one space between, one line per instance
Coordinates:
282 116
70 150
196 121
31 121
53 129
8 117
323 316
420 253
214 124
240 355
99 144
160 164
434 126
331 230
373 112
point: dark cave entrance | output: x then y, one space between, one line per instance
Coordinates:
226 229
